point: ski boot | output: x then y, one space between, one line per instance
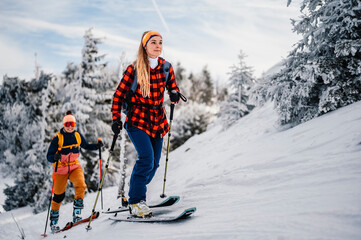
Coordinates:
124 202
78 206
54 217
140 210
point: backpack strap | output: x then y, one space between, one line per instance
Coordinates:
135 82
61 141
166 68
78 139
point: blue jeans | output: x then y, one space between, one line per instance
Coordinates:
149 151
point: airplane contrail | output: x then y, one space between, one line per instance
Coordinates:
160 15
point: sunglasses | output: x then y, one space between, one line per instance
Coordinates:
68 124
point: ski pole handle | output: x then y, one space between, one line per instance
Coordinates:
57 162
171 111
56 167
99 141
113 143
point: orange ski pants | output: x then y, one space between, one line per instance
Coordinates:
61 180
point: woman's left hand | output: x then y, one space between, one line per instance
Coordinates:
174 96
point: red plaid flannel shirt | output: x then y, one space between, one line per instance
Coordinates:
139 112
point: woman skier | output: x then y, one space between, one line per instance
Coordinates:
65 149
146 123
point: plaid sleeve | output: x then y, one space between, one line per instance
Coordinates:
172 84
121 91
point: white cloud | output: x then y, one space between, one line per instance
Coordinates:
31 25
41 9
14 61
207 32
218 30
66 50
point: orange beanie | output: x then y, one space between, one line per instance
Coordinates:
68 117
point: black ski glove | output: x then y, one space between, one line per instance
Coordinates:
57 157
117 126
174 96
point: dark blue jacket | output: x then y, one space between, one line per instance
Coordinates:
69 139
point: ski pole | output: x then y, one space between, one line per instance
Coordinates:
166 160
51 195
101 183
100 167
21 230
124 160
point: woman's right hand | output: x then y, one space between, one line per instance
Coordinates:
57 157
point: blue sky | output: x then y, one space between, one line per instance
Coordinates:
196 33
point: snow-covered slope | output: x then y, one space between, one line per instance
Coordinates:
252 181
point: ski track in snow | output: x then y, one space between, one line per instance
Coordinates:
251 181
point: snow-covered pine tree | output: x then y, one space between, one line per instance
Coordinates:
240 81
14 99
202 90
263 89
88 93
31 114
221 91
104 81
23 128
323 72
179 73
207 87
184 83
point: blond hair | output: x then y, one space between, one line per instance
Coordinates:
143 69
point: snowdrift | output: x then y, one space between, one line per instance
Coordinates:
252 181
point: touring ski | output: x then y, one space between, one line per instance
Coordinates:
154 219
167 202
71 224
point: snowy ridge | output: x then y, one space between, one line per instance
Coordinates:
301 183
252 181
